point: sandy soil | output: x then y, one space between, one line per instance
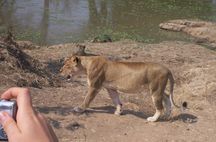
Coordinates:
194 70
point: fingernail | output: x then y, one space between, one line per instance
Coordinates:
3 116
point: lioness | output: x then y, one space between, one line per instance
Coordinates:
122 76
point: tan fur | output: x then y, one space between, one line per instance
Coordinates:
122 76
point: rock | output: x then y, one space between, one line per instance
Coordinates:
74 126
203 31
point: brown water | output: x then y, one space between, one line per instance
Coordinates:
60 21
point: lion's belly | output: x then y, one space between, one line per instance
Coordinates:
136 89
126 86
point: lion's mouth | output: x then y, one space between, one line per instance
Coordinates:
68 77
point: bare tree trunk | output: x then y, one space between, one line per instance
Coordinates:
45 22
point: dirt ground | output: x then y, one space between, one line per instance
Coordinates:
194 69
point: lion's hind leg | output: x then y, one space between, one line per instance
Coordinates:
167 106
157 100
157 91
115 98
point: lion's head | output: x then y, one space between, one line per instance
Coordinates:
72 66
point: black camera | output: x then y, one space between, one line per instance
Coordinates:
9 106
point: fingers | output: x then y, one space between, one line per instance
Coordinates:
43 123
47 127
28 121
22 96
9 125
55 139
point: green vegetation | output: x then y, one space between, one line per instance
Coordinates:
28 35
116 36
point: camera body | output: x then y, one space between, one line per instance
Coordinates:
9 106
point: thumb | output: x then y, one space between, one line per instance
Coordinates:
9 125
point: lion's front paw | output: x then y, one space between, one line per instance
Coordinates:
118 109
78 110
117 112
151 119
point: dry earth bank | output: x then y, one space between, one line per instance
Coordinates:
194 70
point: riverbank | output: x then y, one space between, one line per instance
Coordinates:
203 31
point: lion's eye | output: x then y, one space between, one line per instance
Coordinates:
75 60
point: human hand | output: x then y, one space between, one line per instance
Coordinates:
29 126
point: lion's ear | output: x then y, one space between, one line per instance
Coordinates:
76 59
66 59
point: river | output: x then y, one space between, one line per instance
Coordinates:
61 21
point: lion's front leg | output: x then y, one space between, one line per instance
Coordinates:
92 92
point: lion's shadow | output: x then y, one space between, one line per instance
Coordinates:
184 117
111 110
64 111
